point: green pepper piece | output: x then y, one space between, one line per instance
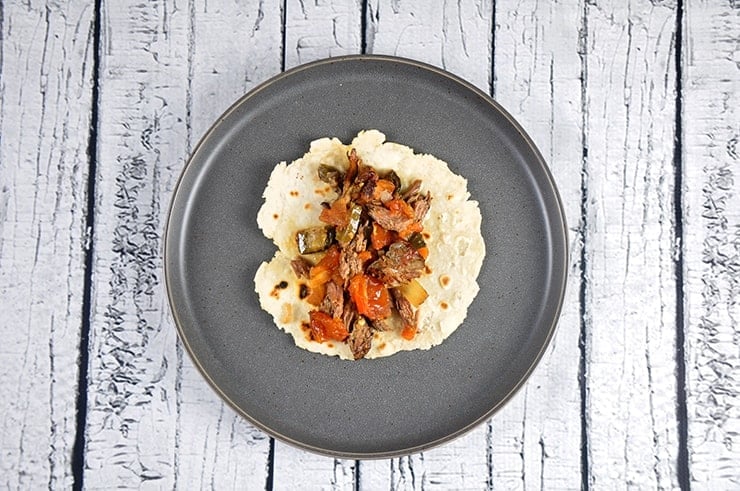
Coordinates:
417 240
345 235
314 239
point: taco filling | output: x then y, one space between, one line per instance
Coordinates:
379 248
373 251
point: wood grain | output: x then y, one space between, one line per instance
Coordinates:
452 35
711 198
297 469
167 73
231 48
45 108
460 464
536 437
321 29
132 414
630 310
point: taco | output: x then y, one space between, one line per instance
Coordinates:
379 248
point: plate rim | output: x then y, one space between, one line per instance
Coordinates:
557 261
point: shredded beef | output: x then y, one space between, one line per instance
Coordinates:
381 324
412 190
365 184
404 308
389 220
350 263
333 303
360 339
301 267
400 264
421 206
349 314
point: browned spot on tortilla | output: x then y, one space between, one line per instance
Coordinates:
320 192
327 189
307 206
331 345
294 193
443 305
305 326
427 269
382 346
275 293
303 291
449 197
426 235
444 280
275 216
287 314
376 335
282 285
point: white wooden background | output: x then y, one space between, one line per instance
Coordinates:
635 105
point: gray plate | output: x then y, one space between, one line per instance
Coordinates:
412 400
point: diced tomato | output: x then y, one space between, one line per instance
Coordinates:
326 270
423 252
380 237
328 263
401 207
319 276
408 332
337 214
318 290
410 229
382 187
370 296
325 327
365 256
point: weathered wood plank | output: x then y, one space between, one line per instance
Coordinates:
456 37
453 35
629 73
45 109
460 464
132 429
232 47
321 29
168 72
536 438
298 469
711 181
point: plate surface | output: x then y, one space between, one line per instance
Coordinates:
412 400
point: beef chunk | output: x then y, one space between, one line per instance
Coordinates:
350 263
389 220
360 339
380 325
404 307
421 206
333 303
400 264
301 267
412 190
349 314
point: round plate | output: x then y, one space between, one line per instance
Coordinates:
411 400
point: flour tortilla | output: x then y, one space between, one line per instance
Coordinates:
456 249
